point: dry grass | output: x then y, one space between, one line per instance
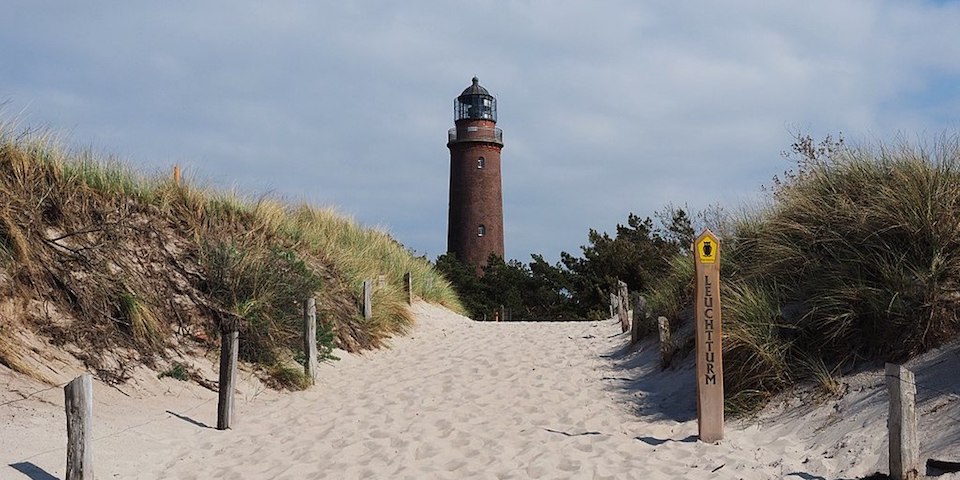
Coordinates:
857 257
869 243
13 241
11 356
144 326
114 249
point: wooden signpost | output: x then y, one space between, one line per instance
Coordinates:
709 334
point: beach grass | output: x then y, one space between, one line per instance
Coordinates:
121 252
855 259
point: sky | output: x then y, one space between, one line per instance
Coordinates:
607 107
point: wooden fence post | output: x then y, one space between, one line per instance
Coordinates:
78 403
640 314
368 299
408 287
229 343
666 349
310 339
902 424
381 281
614 304
624 306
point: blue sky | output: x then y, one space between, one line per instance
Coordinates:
607 107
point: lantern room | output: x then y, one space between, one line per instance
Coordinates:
475 103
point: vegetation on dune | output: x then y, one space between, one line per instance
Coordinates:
856 257
102 258
577 287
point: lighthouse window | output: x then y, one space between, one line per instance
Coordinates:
481 162
481 231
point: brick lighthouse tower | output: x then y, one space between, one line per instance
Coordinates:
475 227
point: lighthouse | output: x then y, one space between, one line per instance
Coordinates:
475 222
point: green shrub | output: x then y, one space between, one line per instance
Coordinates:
176 371
264 285
287 377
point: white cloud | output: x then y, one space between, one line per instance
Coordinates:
607 107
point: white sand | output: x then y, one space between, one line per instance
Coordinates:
459 399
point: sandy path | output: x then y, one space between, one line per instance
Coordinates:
455 399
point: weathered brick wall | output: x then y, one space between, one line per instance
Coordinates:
476 196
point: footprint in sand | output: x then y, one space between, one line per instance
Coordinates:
425 451
584 446
568 465
462 439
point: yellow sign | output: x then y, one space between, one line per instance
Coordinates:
707 248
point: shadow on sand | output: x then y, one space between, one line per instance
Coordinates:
189 420
654 441
32 471
652 391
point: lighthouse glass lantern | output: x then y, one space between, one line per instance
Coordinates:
475 103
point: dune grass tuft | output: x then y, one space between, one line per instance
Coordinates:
97 231
143 324
856 258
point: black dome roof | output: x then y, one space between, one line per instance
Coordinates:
475 89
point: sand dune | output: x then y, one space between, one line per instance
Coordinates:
461 399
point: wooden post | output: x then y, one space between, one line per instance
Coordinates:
639 315
902 424
503 316
78 402
614 303
666 350
368 299
310 339
229 343
408 287
176 174
381 281
709 334
624 306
